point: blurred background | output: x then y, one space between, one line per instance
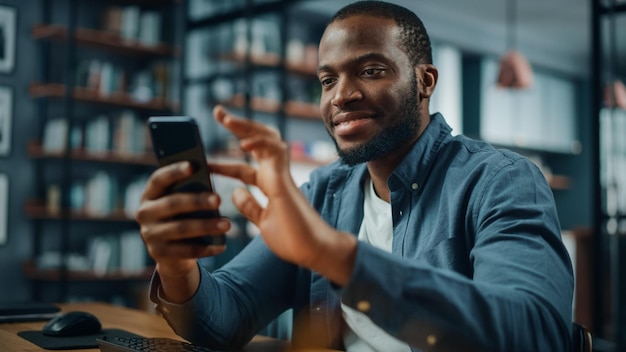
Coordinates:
78 79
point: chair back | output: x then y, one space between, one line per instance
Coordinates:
581 338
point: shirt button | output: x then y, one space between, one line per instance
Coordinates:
165 310
431 340
363 306
415 186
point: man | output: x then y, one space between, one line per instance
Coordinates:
414 240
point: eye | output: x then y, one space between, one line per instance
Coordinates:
372 71
326 81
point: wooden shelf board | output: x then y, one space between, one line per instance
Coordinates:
36 209
303 110
293 109
272 60
103 40
35 150
32 272
57 90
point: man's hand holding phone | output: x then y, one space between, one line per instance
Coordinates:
179 214
165 227
176 260
175 139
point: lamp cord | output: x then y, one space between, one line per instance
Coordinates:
511 20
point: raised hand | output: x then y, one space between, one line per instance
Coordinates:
291 228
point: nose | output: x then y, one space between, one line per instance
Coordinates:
345 92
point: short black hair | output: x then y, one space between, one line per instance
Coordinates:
413 36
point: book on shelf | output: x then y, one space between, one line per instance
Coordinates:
123 252
102 77
101 254
101 194
133 255
111 79
97 134
149 28
155 82
131 23
132 195
130 134
112 20
129 28
55 135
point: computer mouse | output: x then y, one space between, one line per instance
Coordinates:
75 323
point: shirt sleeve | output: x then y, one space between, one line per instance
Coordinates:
517 295
233 303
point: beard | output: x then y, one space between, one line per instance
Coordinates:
391 137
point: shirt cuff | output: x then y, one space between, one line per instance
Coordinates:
162 305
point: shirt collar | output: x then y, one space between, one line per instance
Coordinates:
413 169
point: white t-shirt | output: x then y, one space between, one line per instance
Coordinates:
361 334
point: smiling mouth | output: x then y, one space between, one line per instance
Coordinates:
347 118
347 122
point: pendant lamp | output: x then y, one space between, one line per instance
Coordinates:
615 95
515 71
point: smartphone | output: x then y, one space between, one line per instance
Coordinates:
177 138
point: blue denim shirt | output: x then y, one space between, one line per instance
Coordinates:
477 260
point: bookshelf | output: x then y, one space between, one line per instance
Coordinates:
259 59
608 239
104 68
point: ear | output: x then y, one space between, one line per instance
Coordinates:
427 77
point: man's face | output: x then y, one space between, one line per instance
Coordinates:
369 99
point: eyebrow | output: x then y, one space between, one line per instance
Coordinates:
360 58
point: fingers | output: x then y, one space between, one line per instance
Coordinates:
164 177
175 204
263 147
173 252
242 128
163 239
176 230
243 172
247 205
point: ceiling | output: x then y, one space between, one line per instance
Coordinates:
553 34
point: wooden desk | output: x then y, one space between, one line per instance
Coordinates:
111 316
136 321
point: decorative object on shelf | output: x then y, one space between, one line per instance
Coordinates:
615 95
8 19
4 207
515 71
6 115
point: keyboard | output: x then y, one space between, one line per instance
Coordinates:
147 344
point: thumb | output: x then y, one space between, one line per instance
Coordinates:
247 205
